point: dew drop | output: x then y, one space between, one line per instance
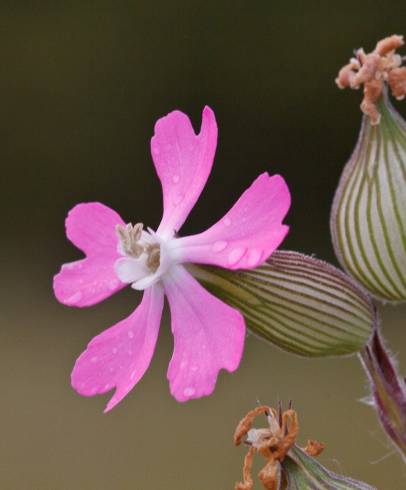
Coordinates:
236 255
114 350
189 391
130 334
112 285
75 298
178 198
155 149
68 266
227 221
175 179
94 359
254 256
219 246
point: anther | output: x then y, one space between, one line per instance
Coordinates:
129 236
154 257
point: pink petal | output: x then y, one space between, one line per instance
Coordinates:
247 235
208 336
119 356
183 161
91 227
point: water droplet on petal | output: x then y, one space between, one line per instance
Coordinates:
189 391
227 221
94 359
130 334
178 198
68 266
75 298
219 246
112 285
236 255
114 350
175 179
155 150
254 256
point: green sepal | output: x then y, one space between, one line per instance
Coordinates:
297 302
304 472
368 218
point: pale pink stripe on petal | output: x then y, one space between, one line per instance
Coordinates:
183 161
119 357
91 227
247 235
208 336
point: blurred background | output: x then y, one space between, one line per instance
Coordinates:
82 85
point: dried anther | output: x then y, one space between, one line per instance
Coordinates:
129 237
273 443
154 256
373 70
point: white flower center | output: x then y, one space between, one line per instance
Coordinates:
146 256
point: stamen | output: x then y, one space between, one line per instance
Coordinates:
154 256
129 236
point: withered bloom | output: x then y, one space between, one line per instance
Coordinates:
372 71
287 467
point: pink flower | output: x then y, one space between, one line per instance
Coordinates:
208 334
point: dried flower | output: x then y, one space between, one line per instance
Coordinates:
209 334
373 70
288 467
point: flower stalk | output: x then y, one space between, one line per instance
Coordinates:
388 390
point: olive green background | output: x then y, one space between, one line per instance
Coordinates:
82 84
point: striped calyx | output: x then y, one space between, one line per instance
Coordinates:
304 472
368 218
299 303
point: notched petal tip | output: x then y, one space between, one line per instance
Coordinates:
119 356
208 338
183 160
248 233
